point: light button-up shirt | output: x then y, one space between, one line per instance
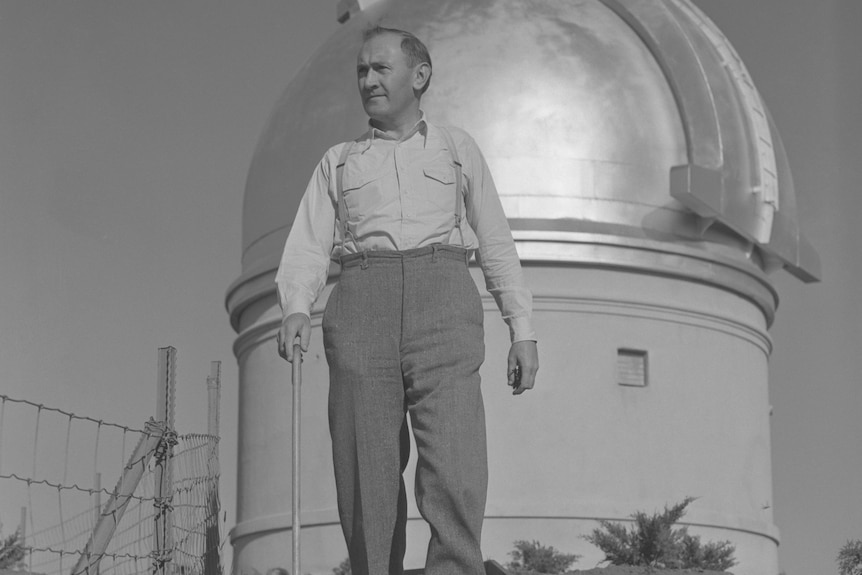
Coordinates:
400 194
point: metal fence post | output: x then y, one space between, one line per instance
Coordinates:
165 407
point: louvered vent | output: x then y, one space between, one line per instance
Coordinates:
632 367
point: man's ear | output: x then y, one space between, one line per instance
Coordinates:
421 76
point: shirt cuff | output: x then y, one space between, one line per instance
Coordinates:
521 329
296 304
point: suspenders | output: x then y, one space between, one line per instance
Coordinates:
453 151
341 213
339 185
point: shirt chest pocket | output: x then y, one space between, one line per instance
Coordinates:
367 192
438 183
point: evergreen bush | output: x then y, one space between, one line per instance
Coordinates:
850 558
532 557
652 541
12 551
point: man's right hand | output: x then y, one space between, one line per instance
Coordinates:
296 325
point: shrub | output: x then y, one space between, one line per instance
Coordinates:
850 558
532 557
12 552
343 568
714 556
653 542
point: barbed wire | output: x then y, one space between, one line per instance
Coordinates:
42 407
104 490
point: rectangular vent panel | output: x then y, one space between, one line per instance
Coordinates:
631 367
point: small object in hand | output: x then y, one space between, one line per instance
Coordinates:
516 372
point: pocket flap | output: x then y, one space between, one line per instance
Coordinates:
441 174
354 180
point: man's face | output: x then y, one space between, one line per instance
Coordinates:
385 79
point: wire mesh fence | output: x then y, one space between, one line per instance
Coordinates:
157 513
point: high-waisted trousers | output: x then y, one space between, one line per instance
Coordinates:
403 333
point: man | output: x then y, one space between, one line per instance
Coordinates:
403 208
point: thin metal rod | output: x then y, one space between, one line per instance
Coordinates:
297 385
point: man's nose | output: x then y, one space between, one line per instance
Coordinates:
371 79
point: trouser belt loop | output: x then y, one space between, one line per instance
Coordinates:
364 264
434 253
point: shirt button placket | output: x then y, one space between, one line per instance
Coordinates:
404 185
405 208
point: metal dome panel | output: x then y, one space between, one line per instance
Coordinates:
627 118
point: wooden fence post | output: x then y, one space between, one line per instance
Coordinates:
115 507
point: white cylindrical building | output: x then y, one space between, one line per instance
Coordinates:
649 197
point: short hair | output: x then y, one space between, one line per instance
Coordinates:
412 47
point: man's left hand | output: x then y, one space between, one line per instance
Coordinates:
522 366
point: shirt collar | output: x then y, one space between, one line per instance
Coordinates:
421 127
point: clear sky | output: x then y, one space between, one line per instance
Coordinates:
126 132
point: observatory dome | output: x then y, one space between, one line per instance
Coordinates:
629 120
649 196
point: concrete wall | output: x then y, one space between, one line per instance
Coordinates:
580 446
